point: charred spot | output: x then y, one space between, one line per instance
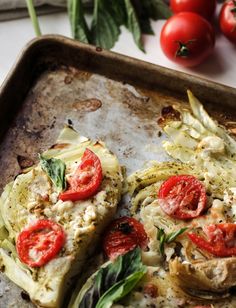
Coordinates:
70 123
25 296
24 162
88 105
168 113
59 146
2 269
98 144
125 228
68 79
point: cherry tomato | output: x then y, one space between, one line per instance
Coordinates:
187 39
86 180
182 197
202 7
228 20
40 242
151 290
123 235
220 239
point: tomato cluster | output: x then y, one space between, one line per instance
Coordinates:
188 37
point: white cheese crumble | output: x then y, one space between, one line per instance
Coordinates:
230 202
211 144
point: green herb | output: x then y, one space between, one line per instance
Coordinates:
157 9
119 290
105 30
33 17
55 168
113 282
108 17
173 235
79 27
163 238
133 24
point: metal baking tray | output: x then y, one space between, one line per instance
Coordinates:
104 95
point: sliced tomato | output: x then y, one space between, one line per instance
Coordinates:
219 240
123 235
40 242
151 290
182 197
86 180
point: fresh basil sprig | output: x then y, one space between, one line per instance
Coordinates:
55 168
108 17
164 238
113 282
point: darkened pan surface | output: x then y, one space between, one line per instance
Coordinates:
57 81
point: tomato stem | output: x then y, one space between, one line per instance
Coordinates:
233 10
183 50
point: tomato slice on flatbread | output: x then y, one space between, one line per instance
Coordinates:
86 180
220 239
40 242
123 235
182 197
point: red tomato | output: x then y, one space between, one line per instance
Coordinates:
187 39
86 180
151 290
228 20
40 242
202 7
123 235
221 239
182 197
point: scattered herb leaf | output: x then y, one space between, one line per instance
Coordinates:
55 168
172 236
163 238
114 281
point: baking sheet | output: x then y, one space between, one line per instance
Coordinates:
118 107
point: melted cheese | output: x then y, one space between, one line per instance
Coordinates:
33 196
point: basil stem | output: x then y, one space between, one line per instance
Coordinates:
33 17
163 238
172 236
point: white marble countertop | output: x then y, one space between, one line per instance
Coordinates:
219 67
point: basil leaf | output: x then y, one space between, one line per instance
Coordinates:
93 294
119 290
143 16
79 27
133 24
55 169
114 281
117 10
161 237
157 9
105 31
172 236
